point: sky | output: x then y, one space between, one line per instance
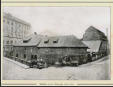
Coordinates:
63 20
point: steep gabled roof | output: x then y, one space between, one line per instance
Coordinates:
61 41
93 33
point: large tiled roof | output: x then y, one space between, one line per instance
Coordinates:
51 41
61 41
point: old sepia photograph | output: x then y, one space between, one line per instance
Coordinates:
56 43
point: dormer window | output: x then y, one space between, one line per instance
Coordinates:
46 41
55 41
26 40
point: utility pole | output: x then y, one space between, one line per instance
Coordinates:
107 32
107 43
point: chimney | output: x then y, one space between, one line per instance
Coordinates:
35 33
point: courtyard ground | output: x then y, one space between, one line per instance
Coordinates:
97 70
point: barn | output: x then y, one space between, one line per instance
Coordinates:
49 48
96 41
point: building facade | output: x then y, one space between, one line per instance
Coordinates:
51 48
14 30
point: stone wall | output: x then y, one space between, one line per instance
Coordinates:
51 55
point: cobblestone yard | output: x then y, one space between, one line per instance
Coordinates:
97 70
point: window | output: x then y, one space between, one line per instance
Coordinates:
35 56
19 25
16 55
11 53
11 42
27 40
12 23
7 42
4 20
12 29
55 41
24 55
31 56
25 49
3 42
46 41
7 22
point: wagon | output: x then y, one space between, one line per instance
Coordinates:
70 60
